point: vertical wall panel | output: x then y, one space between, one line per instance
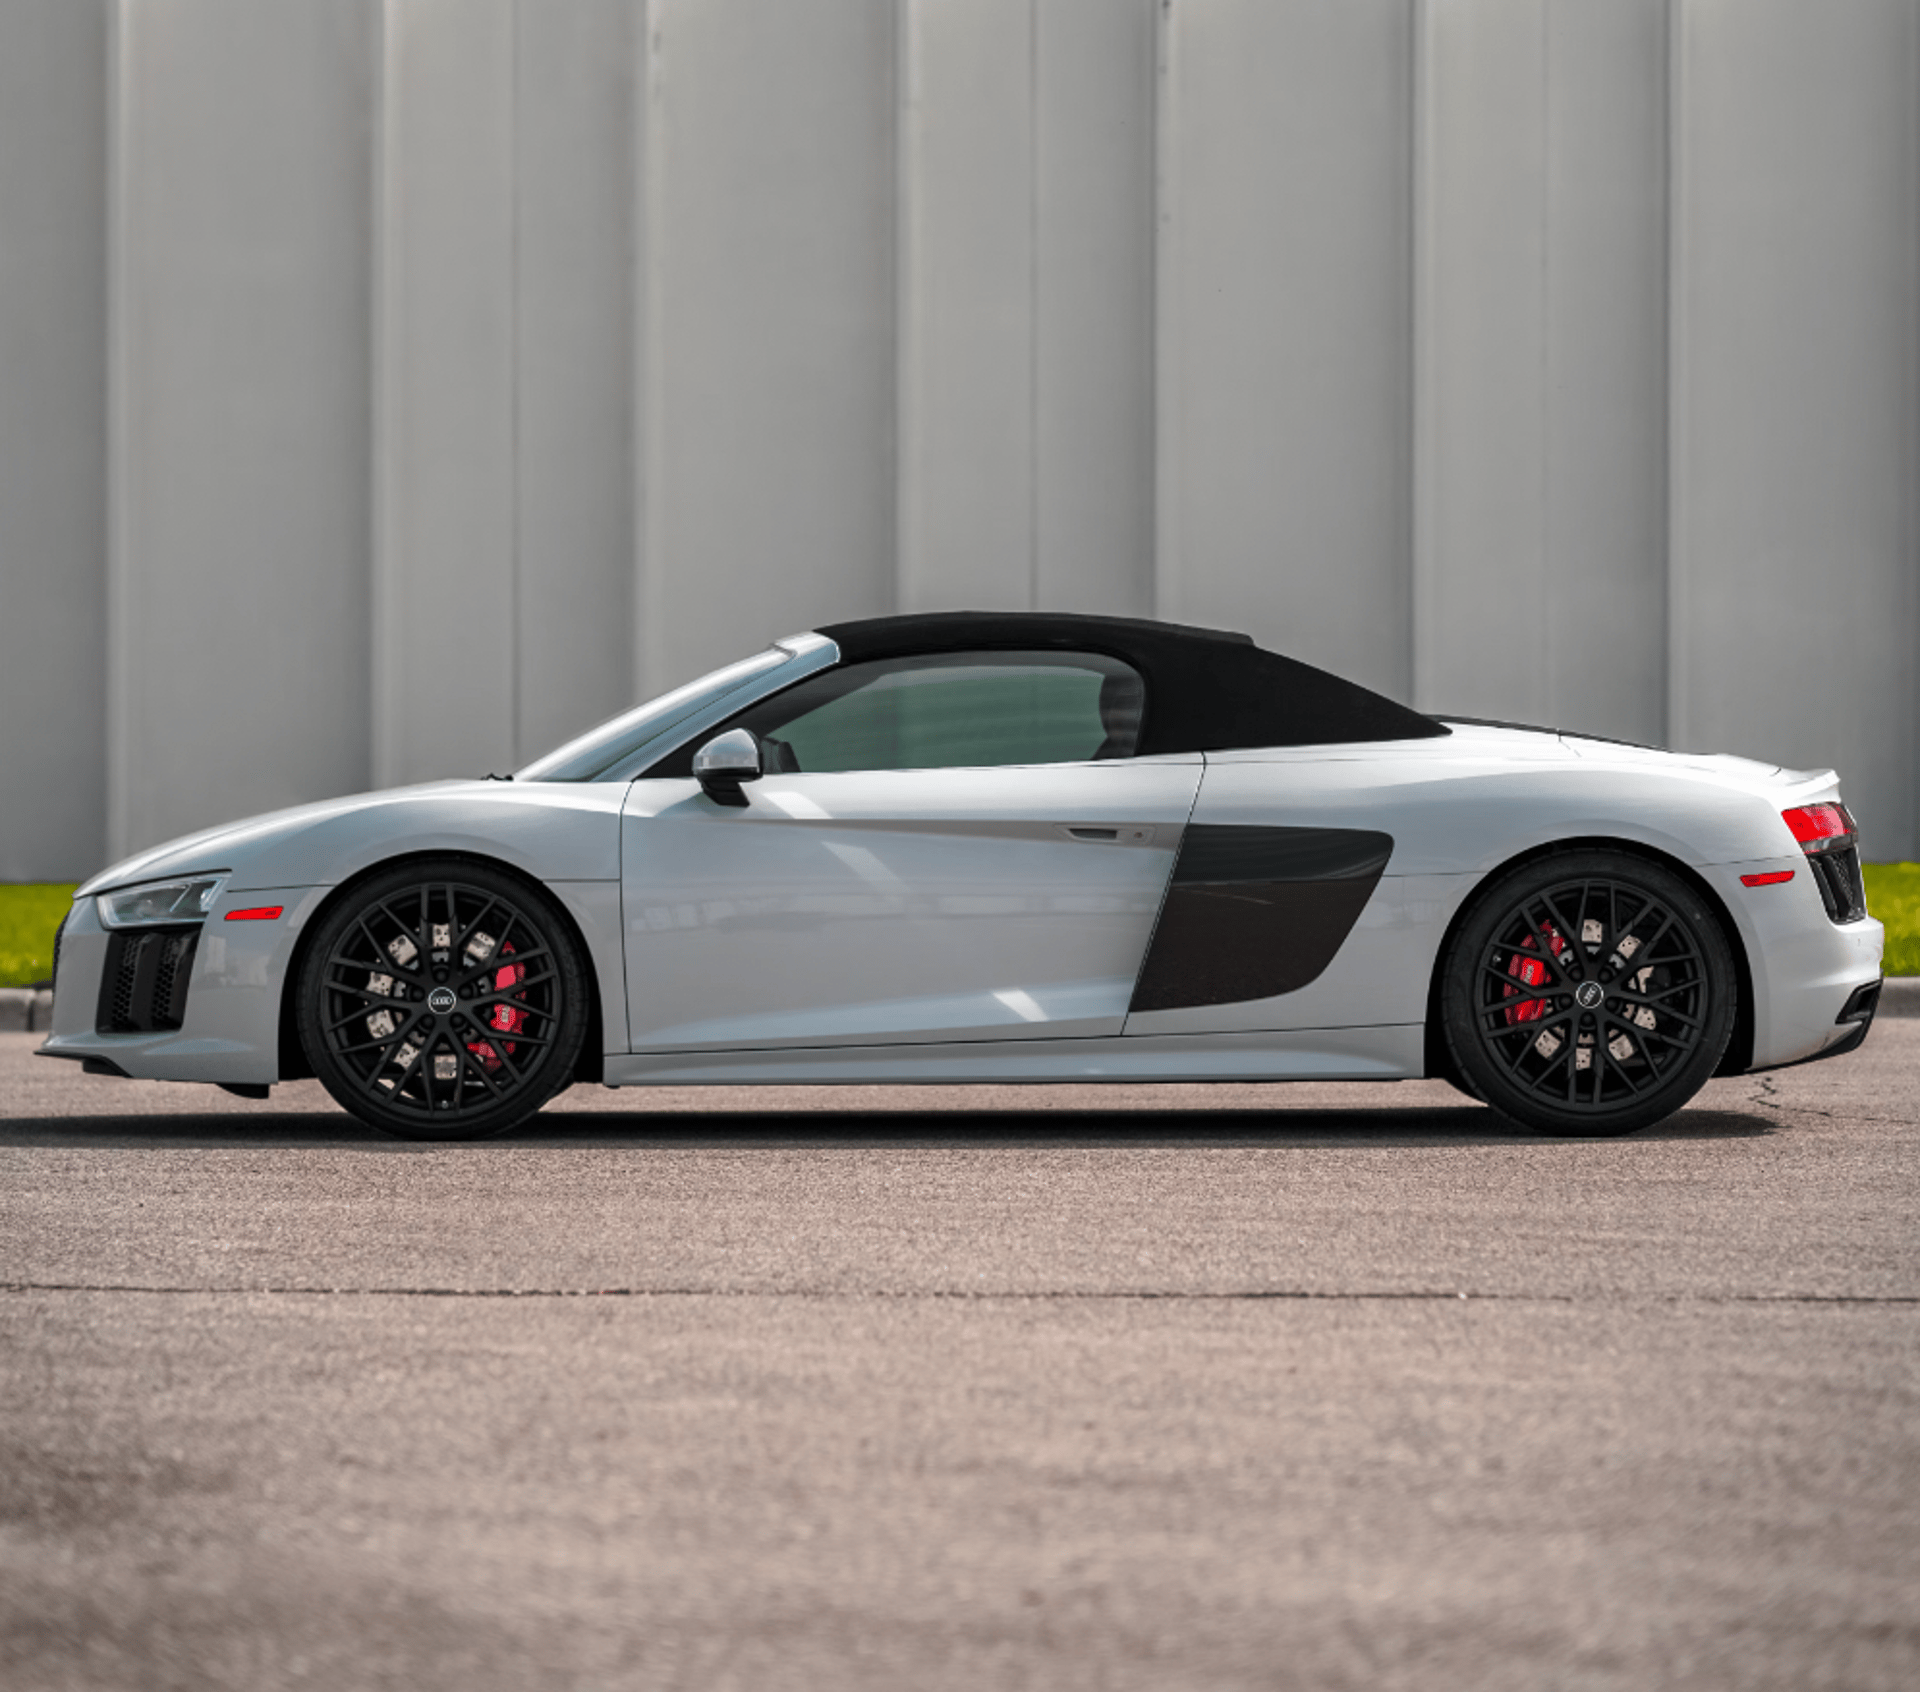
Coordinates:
768 367
969 267
1482 306
445 562
1093 304
240 504
1541 324
53 437
1605 378
1284 358
574 440
1795 536
1026 444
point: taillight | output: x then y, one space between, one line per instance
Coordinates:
1828 836
1820 828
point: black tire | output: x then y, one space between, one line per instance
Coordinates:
443 1000
1588 993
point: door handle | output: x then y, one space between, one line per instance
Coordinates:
1109 834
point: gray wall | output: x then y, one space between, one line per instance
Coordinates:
53 438
389 388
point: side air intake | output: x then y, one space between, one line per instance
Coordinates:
143 989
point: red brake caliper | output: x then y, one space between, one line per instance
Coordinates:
504 1019
1530 972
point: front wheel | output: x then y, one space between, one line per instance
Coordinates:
1588 993
443 1001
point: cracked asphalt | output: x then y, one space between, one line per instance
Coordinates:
1211 1387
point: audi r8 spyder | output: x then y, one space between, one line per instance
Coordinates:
975 846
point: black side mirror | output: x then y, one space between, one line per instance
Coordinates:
725 762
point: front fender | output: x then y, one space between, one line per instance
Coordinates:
552 831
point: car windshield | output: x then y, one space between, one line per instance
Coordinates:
602 750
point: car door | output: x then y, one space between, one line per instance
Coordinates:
945 848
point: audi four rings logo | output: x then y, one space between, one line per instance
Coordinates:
1589 994
440 1000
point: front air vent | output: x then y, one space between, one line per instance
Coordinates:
143 989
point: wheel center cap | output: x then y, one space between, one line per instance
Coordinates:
1588 995
441 1000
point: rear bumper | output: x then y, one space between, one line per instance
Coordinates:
1853 1034
1805 967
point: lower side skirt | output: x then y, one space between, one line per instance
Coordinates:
1389 1053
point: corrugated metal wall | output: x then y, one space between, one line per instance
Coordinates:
389 390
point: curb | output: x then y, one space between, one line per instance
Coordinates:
1900 996
25 1011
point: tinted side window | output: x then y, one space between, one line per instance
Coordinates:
954 710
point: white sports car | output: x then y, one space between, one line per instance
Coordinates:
982 847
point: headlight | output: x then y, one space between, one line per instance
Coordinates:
187 900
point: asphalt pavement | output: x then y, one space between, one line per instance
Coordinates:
1209 1387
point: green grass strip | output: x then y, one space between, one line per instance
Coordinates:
1893 895
29 915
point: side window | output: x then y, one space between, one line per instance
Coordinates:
954 710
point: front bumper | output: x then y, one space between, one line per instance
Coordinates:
230 1027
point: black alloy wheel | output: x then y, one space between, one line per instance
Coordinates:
443 1001
1589 993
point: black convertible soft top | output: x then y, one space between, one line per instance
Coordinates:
1207 691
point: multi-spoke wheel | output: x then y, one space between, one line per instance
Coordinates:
1589 993
443 1001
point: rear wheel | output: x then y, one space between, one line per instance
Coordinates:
443 1001
1588 993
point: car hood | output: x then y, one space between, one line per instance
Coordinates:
229 844
557 831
